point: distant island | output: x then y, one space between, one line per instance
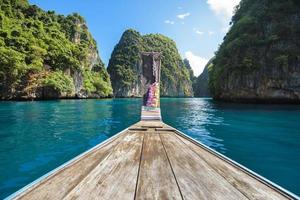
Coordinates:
44 55
124 67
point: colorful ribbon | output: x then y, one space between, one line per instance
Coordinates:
153 95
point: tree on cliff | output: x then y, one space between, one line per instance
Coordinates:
123 65
42 50
259 58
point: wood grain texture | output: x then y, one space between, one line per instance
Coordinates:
246 184
156 180
56 186
116 176
152 124
195 178
150 115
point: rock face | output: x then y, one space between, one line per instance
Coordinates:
124 65
259 60
45 55
200 87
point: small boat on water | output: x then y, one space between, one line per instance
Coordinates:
152 160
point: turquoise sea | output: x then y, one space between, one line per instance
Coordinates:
36 137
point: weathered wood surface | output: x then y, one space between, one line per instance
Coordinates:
150 114
195 178
116 177
150 161
156 179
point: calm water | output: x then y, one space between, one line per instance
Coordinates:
36 137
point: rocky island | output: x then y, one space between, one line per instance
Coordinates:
124 65
259 59
44 55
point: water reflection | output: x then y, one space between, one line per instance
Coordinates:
194 117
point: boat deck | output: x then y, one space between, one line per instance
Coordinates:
150 160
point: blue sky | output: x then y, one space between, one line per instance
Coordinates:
197 26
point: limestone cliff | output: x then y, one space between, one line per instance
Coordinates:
124 66
45 55
259 59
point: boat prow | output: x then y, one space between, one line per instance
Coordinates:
151 160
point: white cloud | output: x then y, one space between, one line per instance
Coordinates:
223 9
210 33
169 22
225 29
197 63
199 32
184 15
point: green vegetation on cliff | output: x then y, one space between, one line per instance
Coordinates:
59 81
259 58
123 65
41 49
187 65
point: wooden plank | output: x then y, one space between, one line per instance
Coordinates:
152 126
115 177
195 178
146 124
151 115
249 186
165 129
70 175
137 129
156 180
